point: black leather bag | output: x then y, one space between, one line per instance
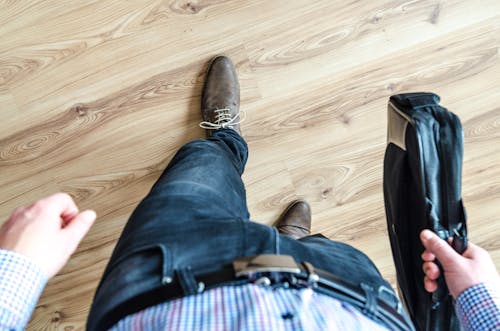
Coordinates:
422 189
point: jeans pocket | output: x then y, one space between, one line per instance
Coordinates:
153 261
133 272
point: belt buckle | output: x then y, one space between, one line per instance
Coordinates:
265 263
268 268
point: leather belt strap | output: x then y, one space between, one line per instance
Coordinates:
267 270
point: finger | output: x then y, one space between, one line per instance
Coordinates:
431 270
62 204
430 285
18 213
78 228
428 256
440 248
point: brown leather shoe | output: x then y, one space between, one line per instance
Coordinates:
220 99
296 220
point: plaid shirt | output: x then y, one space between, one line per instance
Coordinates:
21 283
240 307
250 307
479 307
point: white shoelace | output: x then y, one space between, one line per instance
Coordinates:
223 119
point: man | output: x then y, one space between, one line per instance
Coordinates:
189 258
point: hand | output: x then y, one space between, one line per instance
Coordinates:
473 267
47 232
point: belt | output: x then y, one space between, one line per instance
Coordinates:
274 270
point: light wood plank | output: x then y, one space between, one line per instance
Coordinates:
97 96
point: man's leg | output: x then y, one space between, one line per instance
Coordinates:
193 217
202 182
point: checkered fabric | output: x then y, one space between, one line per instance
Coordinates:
21 283
250 307
247 307
478 307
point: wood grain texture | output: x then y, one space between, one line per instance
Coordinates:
97 96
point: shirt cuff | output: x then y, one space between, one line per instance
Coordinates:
21 284
478 307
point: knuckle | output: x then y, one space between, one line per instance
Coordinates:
21 214
62 198
63 195
18 211
38 205
29 212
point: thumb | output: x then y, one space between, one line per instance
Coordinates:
440 248
78 228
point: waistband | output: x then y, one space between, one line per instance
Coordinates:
271 270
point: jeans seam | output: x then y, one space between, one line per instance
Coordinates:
244 246
276 241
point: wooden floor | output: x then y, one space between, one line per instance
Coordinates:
96 96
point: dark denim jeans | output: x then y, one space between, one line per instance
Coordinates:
195 219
